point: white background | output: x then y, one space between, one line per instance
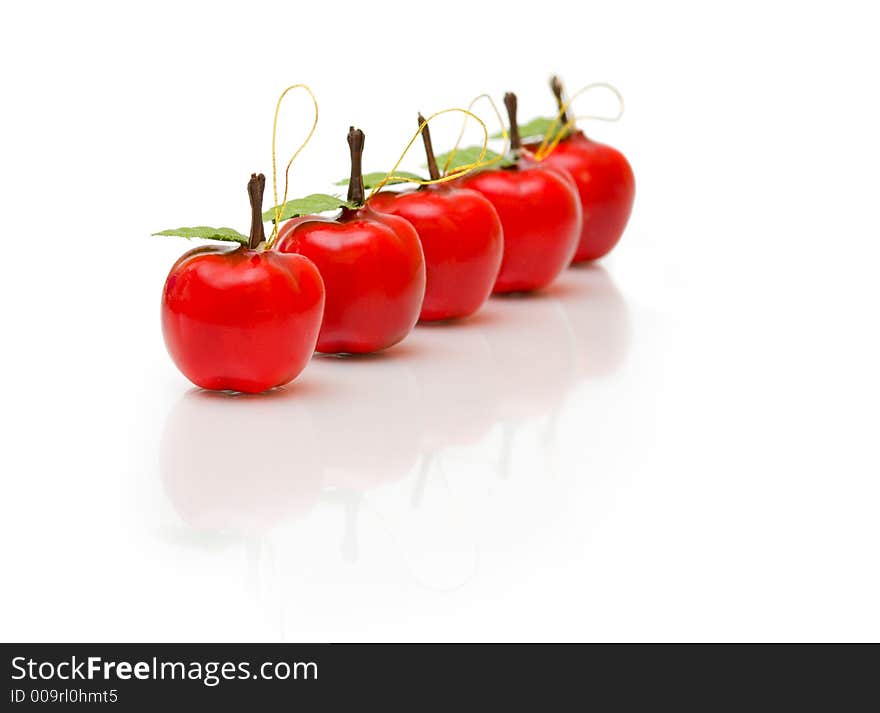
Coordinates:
679 444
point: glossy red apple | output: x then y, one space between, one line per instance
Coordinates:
461 238
540 214
242 319
605 184
372 265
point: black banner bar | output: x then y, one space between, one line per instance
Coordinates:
258 677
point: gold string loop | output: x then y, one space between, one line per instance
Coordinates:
279 209
504 133
457 173
554 135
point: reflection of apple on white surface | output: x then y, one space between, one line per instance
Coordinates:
457 382
599 318
509 379
240 463
368 425
532 355
368 420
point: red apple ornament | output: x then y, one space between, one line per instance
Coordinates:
372 265
461 237
540 214
242 319
605 184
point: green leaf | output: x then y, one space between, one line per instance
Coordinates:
203 231
314 203
471 154
536 128
371 180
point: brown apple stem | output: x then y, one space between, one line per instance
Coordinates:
510 103
433 171
356 182
255 192
559 93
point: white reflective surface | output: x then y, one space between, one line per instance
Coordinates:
679 444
